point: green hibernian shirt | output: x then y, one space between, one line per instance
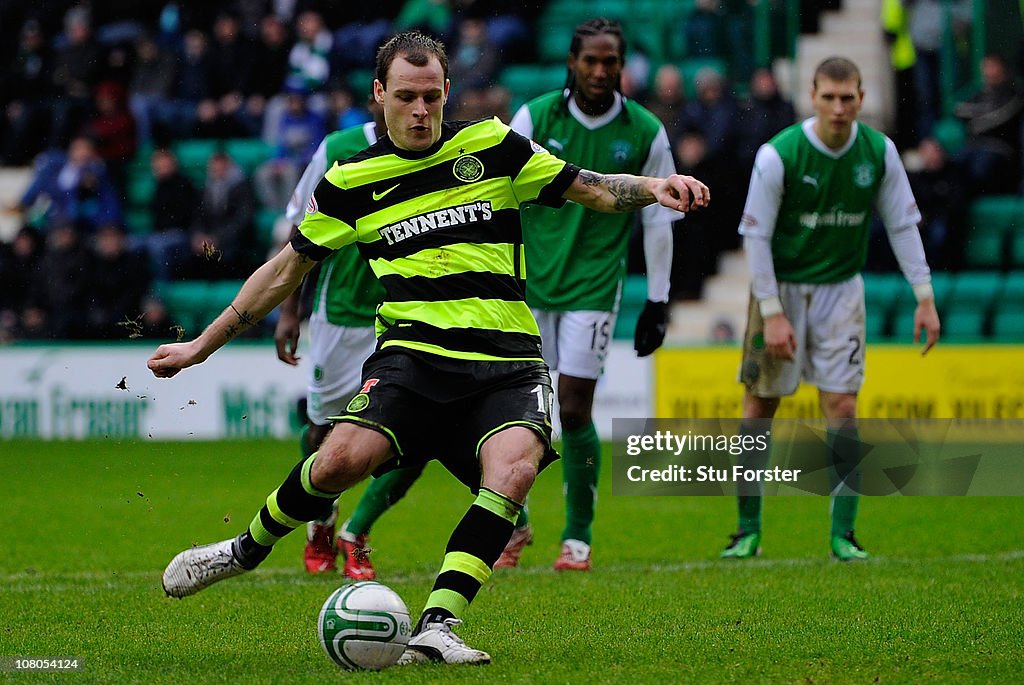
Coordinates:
440 229
575 255
821 233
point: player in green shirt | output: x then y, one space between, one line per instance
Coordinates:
434 208
577 257
805 226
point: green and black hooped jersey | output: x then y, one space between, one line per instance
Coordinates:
440 228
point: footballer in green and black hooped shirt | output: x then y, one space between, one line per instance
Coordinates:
434 209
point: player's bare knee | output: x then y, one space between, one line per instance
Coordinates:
755 407
839 406
347 457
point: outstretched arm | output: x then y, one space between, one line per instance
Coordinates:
626 193
266 288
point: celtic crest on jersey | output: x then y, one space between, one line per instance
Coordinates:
468 168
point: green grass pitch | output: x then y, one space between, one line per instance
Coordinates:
89 526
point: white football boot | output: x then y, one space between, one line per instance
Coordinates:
200 567
437 643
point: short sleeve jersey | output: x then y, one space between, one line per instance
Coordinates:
824 218
440 228
347 293
575 255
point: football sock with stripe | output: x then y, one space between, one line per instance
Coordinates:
292 504
750 493
844 450
380 495
475 544
581 463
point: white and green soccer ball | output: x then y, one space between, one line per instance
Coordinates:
364 626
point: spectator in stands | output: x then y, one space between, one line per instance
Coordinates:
939 190
172 209
713 114
222 233
231 59
298 134
61 287
343 111
193 87
697 238
667 101
118 279
991 156
927 29
76 187
475 60
113 130
308 61
270 64
704 32
19 263
24 95
763 114
76 71
156 322
150 86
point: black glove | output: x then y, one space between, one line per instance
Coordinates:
650 328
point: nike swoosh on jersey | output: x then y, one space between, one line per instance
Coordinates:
810 180
377 196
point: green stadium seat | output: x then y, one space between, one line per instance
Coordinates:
942 284
1012 294
963 323
249 153
1008 324
265 220
950 134
992 221
874 326
527 81
219 296
138 222
195 153
1017 250
185 301
140 190
977 289
883 291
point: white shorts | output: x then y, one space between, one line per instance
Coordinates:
828 322
336 354
575 343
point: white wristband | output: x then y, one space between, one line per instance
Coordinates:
923 291
769 306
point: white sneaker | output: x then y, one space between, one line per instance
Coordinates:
438 643
199 567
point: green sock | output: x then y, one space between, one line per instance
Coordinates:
749 494
844 450
381 495
581 462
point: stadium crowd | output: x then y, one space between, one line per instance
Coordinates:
98 96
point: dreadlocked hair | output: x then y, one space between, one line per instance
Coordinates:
593 27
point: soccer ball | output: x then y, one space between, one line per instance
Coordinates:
364 626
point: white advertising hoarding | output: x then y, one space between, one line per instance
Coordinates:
243 391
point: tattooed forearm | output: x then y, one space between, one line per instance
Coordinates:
245 320
628 191
624 192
